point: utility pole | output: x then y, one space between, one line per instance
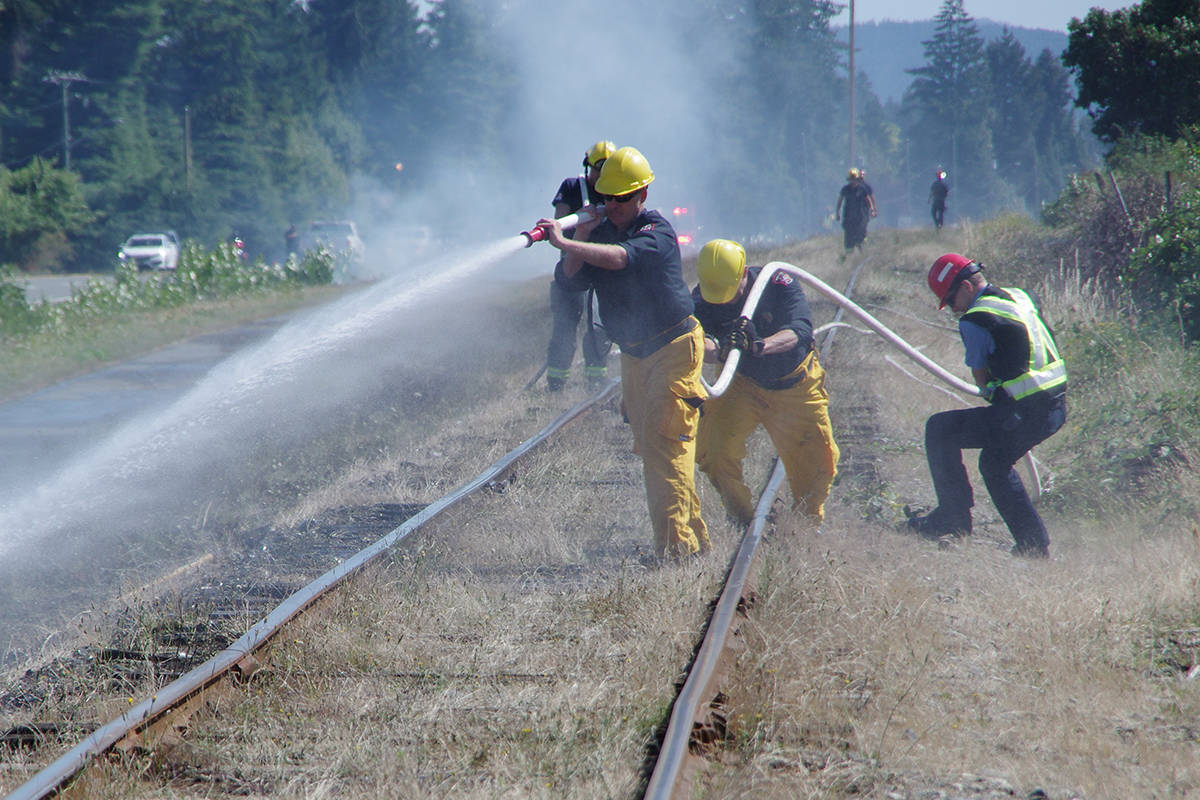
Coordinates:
64 80
851 164
187 145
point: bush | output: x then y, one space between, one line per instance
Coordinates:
201 275
1165 273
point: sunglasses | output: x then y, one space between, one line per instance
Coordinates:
621 198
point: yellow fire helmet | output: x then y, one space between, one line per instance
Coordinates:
625 171
721 267
852 174
598 152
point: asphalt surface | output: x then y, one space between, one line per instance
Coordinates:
56 288
41 431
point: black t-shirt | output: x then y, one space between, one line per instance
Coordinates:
938 192
571 191
649 295
856 207
783 305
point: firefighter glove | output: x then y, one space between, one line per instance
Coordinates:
744 337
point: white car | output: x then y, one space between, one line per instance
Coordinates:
151 250
341 236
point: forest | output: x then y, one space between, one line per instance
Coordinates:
225 118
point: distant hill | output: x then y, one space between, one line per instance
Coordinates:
886 49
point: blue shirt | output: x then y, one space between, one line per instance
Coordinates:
977 341
649 295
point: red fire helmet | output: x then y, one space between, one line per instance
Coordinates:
947 272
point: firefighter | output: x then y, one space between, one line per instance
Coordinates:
779 384
937 198
630 256
1014 361
855 207
566 306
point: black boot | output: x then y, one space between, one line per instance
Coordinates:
939 523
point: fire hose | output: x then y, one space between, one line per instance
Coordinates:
874 326
755 294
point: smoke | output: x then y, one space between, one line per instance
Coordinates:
633 73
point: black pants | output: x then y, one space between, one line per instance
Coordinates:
1002 433
938 210
566 309
853 232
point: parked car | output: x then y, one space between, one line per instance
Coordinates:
341 236
151 250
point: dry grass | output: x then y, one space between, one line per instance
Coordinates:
521 648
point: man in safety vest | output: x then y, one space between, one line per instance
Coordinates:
567 306
779 383
1015 363
631 258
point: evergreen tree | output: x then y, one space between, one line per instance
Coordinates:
1059 144
1013 104
946 112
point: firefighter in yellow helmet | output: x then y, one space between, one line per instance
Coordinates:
629 254
780 384
567 307
855 207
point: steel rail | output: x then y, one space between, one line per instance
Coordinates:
238 658
698 690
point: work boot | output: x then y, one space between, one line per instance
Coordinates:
555 384
1030 551
939 523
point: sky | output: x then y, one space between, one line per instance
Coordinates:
1049 14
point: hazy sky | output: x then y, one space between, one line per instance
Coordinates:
1049 14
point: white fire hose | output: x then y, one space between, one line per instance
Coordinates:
875 326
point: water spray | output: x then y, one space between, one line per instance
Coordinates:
536 234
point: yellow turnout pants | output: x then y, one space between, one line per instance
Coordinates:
797 420
655 391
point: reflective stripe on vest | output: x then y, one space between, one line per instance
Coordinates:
1046 367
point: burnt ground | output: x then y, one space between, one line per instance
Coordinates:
167 637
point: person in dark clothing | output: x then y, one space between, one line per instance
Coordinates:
1016 364
937 198
779 384
291 240
567 307
855 207
630 256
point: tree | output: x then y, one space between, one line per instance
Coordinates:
1137 69
1013 108
40 208
946 110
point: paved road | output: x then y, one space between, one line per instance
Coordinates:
55 288
40 431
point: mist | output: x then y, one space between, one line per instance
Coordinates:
648 75
631 73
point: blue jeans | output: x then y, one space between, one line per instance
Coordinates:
1002 433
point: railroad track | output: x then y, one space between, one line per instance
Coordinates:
695 716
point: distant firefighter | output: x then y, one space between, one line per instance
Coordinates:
855 207
937 198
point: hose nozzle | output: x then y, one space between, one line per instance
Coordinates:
533 235
536 234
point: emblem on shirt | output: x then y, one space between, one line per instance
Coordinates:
649 226
783 279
